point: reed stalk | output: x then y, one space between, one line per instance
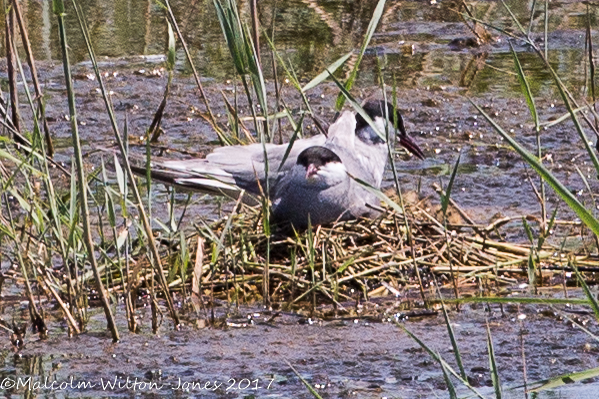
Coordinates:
129 173
9 30
34 77
58 9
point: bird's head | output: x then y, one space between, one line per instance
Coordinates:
377 111
321 165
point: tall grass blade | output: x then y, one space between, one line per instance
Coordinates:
562 118
255 28
35 315
532 268
528 230
154 130
356 106
445 198
587 291
525 88
34 78
566 98
559 188
374 21
306 383
590 56
454 343
12 74
440 360
493 365
450 387
532 16
226 11
543 237
291 141
222 137
147 229
321 77
58 6
290 75
518 24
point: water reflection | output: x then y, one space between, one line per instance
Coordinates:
311 34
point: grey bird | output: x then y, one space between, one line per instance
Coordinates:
319 190
314 179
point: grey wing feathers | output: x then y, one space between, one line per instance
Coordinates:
227 170
342 132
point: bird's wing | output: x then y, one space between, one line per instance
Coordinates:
236 167
210 180
342 133
362 203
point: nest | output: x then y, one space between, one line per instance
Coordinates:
363 258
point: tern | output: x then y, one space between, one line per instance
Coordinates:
316 181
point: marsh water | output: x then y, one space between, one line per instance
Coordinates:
421 47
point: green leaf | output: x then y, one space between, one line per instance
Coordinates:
374 21
379 194
445 198
525 88
566 379
58 7
325 74
20 163
559 188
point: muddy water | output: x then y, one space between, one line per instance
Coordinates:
344 358
347 357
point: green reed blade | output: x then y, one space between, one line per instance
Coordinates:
559 188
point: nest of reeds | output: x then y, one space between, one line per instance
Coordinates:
363 258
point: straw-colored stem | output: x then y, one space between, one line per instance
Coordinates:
34 77
196 76
87 237
12 74
138 201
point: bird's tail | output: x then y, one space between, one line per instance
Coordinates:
204 182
